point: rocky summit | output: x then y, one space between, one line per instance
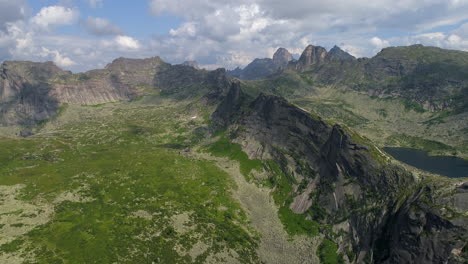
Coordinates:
280 162
282 57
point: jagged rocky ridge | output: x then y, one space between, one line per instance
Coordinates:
434 78
378 211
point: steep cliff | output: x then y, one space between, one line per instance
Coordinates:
311 56
375 210
25 92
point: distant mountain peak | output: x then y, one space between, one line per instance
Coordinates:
338 53
311 55
282 57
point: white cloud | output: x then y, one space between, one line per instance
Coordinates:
51 16
379 43
186 29
100 27
57 58
127 43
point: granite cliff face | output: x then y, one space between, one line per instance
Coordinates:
262 68
377 210
312 55
282 57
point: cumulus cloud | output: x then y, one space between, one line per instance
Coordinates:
379 43
51 16
35 38
122 43
57 58
127 42
100 27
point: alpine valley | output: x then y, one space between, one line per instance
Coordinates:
280 162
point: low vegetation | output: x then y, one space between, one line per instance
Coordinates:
115 190
225 148
327 253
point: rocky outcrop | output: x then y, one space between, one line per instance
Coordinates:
282 57
25 92
312 55
379 212
420 232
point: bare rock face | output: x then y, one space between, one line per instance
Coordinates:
24 92
282 57
91 92
378 210
312 55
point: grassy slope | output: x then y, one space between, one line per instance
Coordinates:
128 184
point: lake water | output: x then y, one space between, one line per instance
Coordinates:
448 166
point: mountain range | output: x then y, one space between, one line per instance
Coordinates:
432 77
127 147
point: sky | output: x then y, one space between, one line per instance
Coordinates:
80 35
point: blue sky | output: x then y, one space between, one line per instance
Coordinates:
131 16
84 34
